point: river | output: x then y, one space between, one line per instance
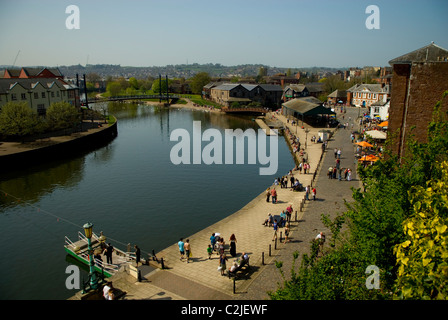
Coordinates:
129 189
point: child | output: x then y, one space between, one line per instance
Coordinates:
209 251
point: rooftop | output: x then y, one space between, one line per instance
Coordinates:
429 53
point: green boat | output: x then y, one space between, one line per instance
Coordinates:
79 250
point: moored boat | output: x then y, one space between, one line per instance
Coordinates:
80 251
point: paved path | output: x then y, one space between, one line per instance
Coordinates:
330 200
200 280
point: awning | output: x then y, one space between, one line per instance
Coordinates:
364 144
384 124
375 134
307 106
370 157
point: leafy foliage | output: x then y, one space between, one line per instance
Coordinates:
199 81
423 257
62 115
17 119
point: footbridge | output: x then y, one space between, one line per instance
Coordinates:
168 98
250 110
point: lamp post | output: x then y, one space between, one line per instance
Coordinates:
306 137
92 273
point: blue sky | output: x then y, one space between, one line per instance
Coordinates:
281 33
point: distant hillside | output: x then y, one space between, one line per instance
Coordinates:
180 71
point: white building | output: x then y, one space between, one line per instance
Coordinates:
39 93
380 109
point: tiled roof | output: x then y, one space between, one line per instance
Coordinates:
429 53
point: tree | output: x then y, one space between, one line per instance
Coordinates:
157 84
134 83
17 119
62 115
113 89
199 81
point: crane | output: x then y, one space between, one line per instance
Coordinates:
16 58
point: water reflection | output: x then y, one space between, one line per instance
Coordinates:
31 184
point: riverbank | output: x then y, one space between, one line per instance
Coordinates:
189 105
200 279
16 154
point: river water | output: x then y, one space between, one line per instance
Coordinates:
129 189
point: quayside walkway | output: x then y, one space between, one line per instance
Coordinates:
200 279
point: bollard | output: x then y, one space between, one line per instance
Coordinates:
275 244
296 216
262 258
139 276
161 261
280 236
269 250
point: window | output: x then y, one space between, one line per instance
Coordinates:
23 96
41 109
52 94
13 96
43 94
36 95
374 96
370 95
57 94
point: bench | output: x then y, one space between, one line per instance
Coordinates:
243 265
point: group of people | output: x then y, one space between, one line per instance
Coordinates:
336 172
282 222
310 191
271 193
217 244
185 249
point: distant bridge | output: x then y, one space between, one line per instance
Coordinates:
169 98
244 110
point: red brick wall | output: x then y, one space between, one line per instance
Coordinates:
418 87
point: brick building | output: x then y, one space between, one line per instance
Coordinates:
364 95
419 80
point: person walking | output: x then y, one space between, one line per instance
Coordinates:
314 193
209 251
187 248
181 245
108 252
286 232
232 245
307 193
274 195
275 230
213 241
222 263
268 194
137 254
